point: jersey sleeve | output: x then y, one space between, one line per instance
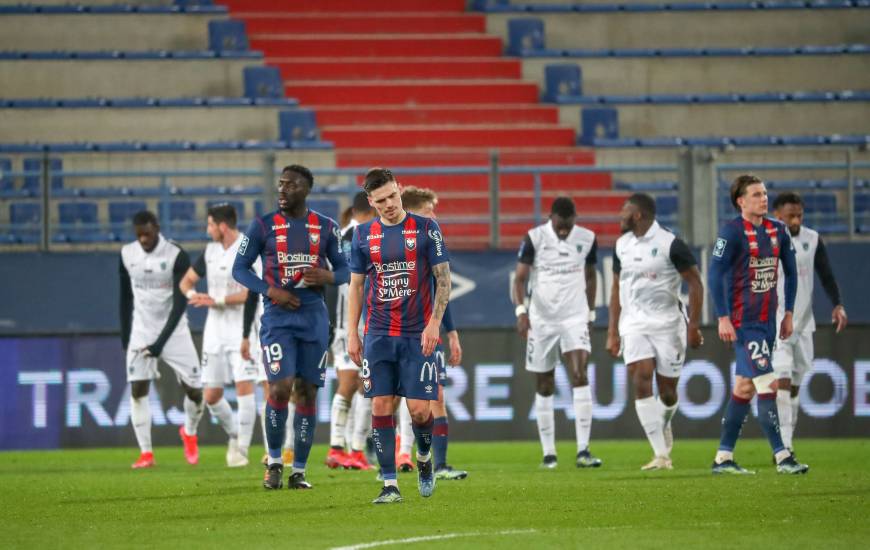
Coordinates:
126 304
339 263
526 255
681 256
345 244
249 250
822 266
179 303
436 248
592 257
617 263
789 267
721 262
358 262
199 266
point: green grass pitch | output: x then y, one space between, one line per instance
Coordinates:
91 499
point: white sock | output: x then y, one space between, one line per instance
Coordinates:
786 424
722 456
338 421
140 416
795 408
289 432
262 412
668 412
362 424
406 429
247 417
224 415
351 418
193 414
582 416
546 423
651 416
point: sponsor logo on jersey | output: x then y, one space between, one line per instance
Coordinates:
410 243
764 278
280 239
428 371
311 226
243 247
719 248
374 237
396 266
336 232
395 287
409 232
282 226
374 249
436 237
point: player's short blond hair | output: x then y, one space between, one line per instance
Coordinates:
415 197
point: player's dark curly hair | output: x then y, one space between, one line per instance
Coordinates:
788 197
377 177
223 212
144 217
302 171
738 187
563 207
645 203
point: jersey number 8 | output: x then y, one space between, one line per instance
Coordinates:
365 369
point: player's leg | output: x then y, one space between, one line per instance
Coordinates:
732 423
670 352
279 356
419 381
338 418
246 375
405 440
576 346
541 355
304 424
140 371
783 366
217 372
180 354
803 363
362 426
443 470
649 410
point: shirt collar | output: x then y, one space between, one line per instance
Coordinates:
650 233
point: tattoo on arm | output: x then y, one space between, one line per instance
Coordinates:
442 289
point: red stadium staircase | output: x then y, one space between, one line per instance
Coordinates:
419 83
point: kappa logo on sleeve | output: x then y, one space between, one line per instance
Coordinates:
719 248
243 247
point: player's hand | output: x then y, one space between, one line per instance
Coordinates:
317 276
151 351
696 339
726 330
201 300
354 347
786 327
455 348
283 298
838 316
245 350
523 325
429 338
613 343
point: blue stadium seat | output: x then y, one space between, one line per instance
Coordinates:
862 203
77 212
177 211
803 140
34 164
122 212
834 184
597 123
297 125
227 35
6 182
263 82
237 204
666 205
525 35
327 207
821 203
24 213
563 79
792 185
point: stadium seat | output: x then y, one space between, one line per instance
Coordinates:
327 207
177 211
525 35
666 205
792 185
227 36
122 212
297 125
24 213
263 82
6 182
862 203
71 213
563 79
34 164
598 123
821 203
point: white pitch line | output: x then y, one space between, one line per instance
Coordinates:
433 537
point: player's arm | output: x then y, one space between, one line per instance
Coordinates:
789 270
822 266
437 255
179 303
358 265
248 313
721 262
452 337
252 246
526 258
591 275
126 305
340 273
188 283
685 263
615 309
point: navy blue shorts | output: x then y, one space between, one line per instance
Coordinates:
297 346
753 350
441 362
395 365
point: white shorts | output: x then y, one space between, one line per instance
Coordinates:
668 350
227 366
547 342
793 358
179 353
340 358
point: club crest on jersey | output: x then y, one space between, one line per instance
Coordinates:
654 252
275 367
806 246
314 238
162 266
579 249
410 243
367 384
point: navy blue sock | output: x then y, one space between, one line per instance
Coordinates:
303 426
384 436
423 434
439 441
732 422
768 417
276 418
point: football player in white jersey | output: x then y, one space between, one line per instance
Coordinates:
557 260
648 318
793 358
222 360
347 370
153 325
